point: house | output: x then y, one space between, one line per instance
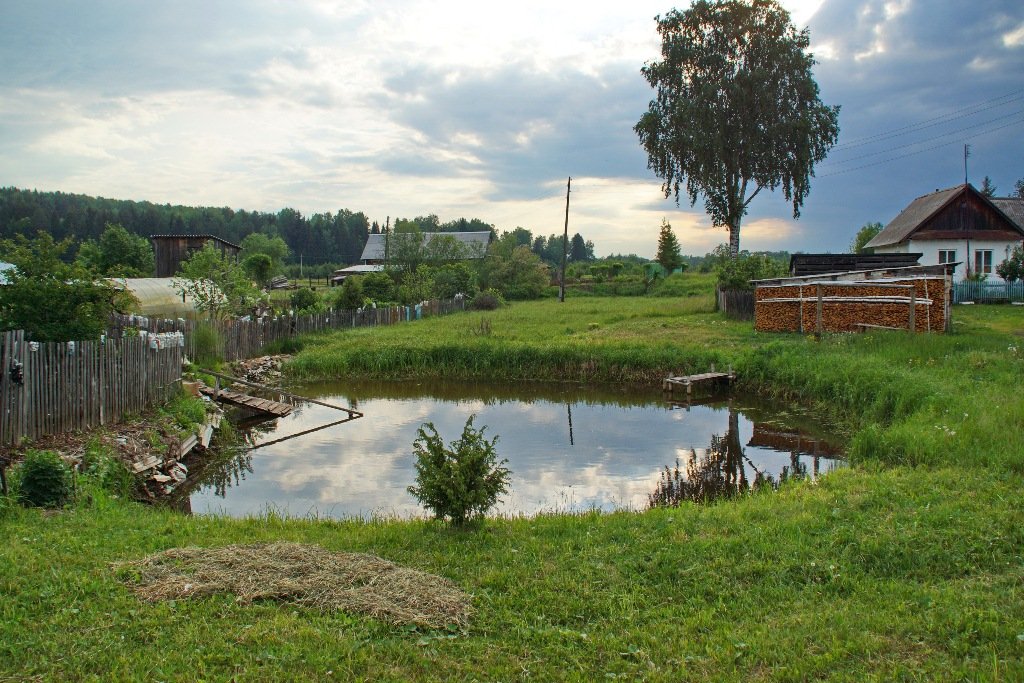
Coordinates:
377 251
172 250
956 225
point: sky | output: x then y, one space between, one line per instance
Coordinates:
403 108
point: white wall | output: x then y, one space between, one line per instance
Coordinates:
930 253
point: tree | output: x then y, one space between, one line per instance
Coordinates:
668 248
1012 269
269 245
1018 189
737 109
577 248
216 283
516 275
865 235
987 188
118 253
258 267
50 299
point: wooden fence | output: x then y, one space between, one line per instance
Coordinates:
737 304
55 387
239 339
988 291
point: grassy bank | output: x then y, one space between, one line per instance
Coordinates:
906 567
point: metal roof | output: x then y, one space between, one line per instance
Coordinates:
475 243
1012 208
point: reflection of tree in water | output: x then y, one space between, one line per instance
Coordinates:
720 473
228 471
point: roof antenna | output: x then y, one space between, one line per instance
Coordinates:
967 153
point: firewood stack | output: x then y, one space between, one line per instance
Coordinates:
851 306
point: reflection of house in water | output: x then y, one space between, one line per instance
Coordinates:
720 471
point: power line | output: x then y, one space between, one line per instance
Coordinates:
910 154
930 139
955 115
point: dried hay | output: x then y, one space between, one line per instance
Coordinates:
305 575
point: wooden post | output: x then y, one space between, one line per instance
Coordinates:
912 324
817 323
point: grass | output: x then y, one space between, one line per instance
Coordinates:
908 566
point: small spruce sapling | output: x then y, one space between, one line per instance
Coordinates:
461 482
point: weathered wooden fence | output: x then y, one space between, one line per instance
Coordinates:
988 291
55 387
239 339
737 304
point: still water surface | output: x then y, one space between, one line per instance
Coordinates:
569 448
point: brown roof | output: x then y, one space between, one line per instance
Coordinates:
910 218
923 208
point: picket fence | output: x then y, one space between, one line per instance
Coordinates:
240 339
56 387
988 291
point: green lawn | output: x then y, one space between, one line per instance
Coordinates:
907 566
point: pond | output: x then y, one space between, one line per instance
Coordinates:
569 448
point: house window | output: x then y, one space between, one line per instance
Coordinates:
983 261
947 256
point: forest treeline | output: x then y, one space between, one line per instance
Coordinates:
327 239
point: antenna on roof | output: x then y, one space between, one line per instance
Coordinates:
967 153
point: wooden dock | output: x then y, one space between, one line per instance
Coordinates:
257 405
715 378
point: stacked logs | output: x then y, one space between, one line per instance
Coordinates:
851 306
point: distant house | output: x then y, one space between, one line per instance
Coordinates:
4 267
956 225
172 250
474 244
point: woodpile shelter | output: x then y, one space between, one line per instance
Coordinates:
822 264
915 298
171 250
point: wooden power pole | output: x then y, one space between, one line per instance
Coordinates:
565 242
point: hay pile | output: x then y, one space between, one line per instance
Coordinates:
305 575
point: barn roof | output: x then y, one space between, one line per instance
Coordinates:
475 243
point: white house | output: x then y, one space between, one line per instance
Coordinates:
957 225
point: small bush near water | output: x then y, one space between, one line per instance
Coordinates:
45 480
461 482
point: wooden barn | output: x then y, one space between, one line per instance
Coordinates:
915 298
171 250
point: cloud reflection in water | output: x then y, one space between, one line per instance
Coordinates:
620 444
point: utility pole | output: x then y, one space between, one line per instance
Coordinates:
565 242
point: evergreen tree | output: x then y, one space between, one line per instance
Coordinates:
668 248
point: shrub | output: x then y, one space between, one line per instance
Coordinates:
103 468
461 482
45 480
488 300
350 296
379 287
305 300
